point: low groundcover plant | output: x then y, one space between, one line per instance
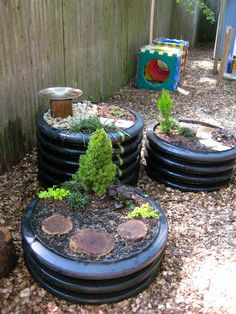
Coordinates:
54 193
145 211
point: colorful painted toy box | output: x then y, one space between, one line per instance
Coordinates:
158 67
175 43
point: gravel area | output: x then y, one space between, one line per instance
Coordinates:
198 273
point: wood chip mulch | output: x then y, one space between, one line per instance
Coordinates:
198 274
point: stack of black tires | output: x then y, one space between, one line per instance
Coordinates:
95 282
59 151
185 169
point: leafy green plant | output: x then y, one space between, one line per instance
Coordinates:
96 170
122 201
54 192
184 131
190 6
78 200
90 125
165 104
72 185
145 211
117 112
122 197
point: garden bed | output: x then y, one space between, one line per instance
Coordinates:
112 116
197 273
186 163
103 272
59 149
204 138
100 214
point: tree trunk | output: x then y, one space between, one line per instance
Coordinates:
7 252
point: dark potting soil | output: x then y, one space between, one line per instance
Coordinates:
101 215
192 142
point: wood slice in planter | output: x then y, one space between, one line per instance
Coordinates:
7 252
92 242
132 230
57 225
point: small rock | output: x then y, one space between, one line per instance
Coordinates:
106 121
25 293
118 205
204 132
50 122
62 125
124 124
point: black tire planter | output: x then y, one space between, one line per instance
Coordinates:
122 171
94 282
59 151
48 179
73 163
186 169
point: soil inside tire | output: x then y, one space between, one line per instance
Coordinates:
100 214
192 142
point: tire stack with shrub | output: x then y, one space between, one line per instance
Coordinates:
94 282
59 151
186 169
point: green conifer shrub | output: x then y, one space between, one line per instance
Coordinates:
165 105
167 123
96 170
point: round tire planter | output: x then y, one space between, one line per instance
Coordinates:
93 282
59 151
186 169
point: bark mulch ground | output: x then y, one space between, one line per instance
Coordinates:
198 273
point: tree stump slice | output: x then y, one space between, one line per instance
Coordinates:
57 225
132 230
7 252
92 242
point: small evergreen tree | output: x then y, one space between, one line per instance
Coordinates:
165 105
96 170
167 122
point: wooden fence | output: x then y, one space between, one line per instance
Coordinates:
90 44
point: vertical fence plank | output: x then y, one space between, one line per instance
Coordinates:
31 54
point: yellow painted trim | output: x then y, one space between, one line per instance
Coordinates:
121 148
122 136
120 160
119 172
